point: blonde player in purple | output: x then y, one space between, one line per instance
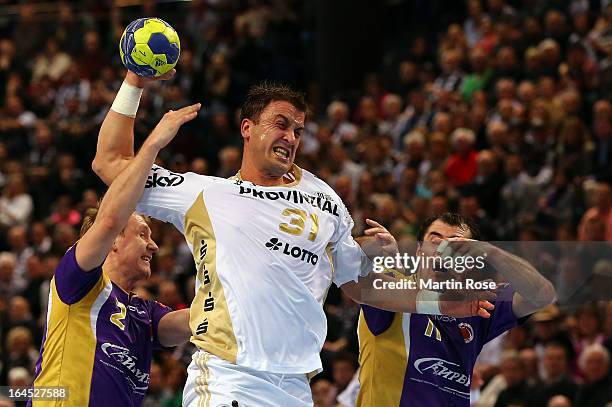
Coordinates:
99 335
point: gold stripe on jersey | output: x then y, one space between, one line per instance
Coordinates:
202 380
70 347
209 316
382 371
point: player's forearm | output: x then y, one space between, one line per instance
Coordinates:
125 191
115 146
523 277
116 137
115 210
367 291
409 298
173 328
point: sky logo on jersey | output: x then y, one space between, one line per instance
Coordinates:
157 180
296 252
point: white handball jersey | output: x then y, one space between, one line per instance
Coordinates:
265 258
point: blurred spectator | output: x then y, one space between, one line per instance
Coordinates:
7 271
589 328
557 378
481 73
451 76
413 154
600 211
41 241
461 165
323 393
343 131
229 161
64 213
28 32
597 389
43 152
557 204
15 122
18 244
20 351
488 182
342 327
517 390
394 120
16 204
602 155
547 329
559 401
344 366
156 393
52 62
517 197
91 51
174 380
530 361
169 295
20 314
19 377
67 179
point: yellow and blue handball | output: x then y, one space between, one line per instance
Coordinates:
149 47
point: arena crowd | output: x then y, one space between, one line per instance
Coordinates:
504 115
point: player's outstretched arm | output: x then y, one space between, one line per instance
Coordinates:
115 146
532 290
366 290
451 303
123 195
173 329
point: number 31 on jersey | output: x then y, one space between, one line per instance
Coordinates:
297 223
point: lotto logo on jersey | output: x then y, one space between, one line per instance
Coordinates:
158 180
275 244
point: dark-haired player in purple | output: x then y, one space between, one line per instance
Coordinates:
417 360
99 335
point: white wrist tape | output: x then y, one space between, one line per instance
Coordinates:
127 100
427 302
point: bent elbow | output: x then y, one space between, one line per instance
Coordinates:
353 291
101 170
98 168
546 295
551 293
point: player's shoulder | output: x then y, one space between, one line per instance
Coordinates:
160 177
315 185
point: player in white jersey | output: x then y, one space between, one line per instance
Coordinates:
267 244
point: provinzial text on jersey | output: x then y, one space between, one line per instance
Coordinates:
294 196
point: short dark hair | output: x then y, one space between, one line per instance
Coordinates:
259 96
452 219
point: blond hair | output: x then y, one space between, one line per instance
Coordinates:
92 213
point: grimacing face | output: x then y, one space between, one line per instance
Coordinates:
135 247
271 144
437 232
